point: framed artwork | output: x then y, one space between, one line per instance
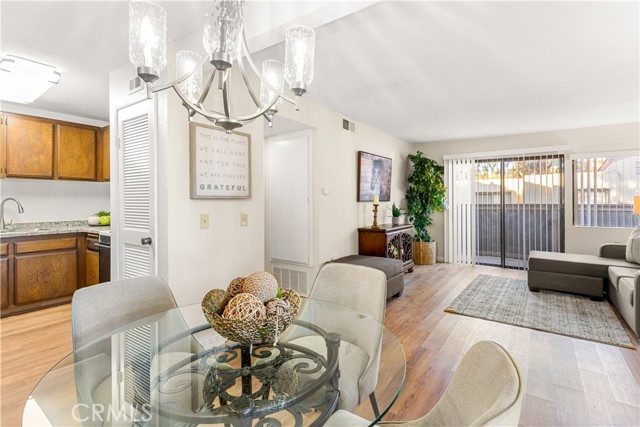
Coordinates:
220 163
374 177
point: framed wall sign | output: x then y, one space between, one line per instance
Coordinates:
374 177
220 163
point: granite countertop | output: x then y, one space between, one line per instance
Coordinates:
23 229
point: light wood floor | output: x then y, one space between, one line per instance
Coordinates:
569 382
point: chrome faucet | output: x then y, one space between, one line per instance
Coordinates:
20 210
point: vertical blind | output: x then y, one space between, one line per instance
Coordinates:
460 229
502 209
604 187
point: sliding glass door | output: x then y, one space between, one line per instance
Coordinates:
519 207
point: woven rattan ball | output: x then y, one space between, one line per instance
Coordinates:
277 306
244 306
235 287
261 284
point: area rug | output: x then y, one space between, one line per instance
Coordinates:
510 301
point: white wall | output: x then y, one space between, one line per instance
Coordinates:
48 200
194 260
584 240
53 200
338 215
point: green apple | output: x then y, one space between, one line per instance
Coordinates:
105 220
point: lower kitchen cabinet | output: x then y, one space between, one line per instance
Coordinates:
92 268
45 276
92 261
42 271
4 274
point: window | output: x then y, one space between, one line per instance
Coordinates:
604 188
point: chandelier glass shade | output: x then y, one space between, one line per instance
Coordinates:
147 38
299 51
188 62
225 43
222 31
273 74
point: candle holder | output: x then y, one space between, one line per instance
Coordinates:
375 216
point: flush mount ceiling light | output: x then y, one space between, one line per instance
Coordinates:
23 80
225 43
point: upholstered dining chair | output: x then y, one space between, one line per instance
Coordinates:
98 310
485 390
363 290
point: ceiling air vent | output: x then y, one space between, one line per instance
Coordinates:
135 85
347 125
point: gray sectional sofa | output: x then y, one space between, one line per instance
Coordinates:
608 274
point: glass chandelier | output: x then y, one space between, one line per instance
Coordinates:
225 43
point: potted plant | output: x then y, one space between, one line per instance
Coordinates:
395 214
426 194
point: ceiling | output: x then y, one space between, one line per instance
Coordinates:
421 71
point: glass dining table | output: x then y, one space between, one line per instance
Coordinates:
173 369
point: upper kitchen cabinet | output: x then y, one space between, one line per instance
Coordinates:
28 147
3 148
77 153
34 147
106 154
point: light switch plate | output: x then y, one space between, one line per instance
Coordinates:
244 219
204 221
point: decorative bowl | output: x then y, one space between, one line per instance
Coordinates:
250 330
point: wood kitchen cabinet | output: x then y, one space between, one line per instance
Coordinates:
388 241
34 147
106 154
92 264
45 269
41 271
4 275
28 147
3 149
77 152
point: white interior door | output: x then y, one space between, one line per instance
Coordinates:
136 222
289 198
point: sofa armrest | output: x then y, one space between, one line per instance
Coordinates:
613 250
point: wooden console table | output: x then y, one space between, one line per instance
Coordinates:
388 241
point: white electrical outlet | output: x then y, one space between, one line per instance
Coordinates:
204 221
244 219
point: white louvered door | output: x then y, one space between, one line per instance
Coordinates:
136 188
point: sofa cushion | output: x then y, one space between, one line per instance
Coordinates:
581 265
616 273
389 266
625 287
632 253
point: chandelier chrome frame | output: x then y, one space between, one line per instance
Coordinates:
222 65
224 120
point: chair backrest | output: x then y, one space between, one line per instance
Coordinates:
363 289
485 390
99 309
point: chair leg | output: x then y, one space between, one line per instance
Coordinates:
374 404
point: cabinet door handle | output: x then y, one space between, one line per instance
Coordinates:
146 241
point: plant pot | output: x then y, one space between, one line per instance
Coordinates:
395 220
424 253
93 220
